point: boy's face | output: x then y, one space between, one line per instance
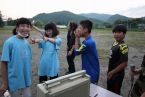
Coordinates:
24 29
82 31
119 36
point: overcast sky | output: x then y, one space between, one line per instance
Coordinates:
30 8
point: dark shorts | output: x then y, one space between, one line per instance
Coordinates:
115 83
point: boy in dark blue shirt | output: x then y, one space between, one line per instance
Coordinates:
88 50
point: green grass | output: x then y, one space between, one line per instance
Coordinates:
103 54
7 28
102 30
136 39
63 30
6 31
133 38
1 45
136 43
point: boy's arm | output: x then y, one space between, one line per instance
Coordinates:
78 49
50 39
33 41
140 70
38 40
4 85
135 72
76 46
56 40
5 58
77 38
119 68
143 95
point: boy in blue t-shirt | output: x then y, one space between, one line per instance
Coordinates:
90 61
16 62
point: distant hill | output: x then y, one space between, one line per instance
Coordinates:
115 17
101 17
62 17
106 17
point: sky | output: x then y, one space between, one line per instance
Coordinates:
30 8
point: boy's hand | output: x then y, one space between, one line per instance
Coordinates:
131 73
135 72
69 53
109 75
3 89
45 38
32 41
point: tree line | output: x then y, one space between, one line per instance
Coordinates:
134 23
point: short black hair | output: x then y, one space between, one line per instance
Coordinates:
52 26
23 21
120 28
87 24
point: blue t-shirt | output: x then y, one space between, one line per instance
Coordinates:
90 61
17 53
49 60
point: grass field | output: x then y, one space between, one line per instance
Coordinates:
104 40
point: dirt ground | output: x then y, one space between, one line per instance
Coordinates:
104 41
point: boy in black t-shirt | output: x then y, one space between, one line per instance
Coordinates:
118 60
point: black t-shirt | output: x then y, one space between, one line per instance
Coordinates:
70 39
118 55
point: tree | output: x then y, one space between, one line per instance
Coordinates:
11 22
1 20
39 24
107 25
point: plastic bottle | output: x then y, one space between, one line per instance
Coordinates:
7 94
